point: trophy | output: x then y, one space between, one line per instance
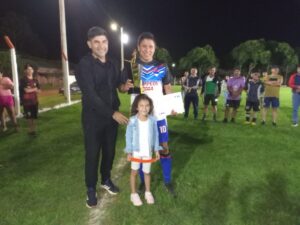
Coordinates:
135 75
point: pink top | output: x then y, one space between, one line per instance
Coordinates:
4 83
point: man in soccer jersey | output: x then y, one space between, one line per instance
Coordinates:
154 80
211 88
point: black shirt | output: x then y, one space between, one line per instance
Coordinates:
192 82
98 82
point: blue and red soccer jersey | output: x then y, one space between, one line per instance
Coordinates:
153 76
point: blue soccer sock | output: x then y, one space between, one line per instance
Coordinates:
141 173
166 165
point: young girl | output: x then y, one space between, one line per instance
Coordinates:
141 141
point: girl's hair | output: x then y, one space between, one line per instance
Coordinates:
136 101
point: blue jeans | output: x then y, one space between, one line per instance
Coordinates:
296 104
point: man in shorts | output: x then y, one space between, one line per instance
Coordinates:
254 88
211 88
272 84
154 80
235 86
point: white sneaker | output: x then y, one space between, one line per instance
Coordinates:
149 198
135 199
295 125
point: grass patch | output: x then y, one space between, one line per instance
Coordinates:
224 173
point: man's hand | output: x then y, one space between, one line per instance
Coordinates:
120 118
125 87
129 156
173 113
157 155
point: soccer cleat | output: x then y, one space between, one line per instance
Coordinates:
214 118
274 124
149 198
263 123
253 123
295 125
225 120
109 186
203 117
135 199
232 120
170 189
91 201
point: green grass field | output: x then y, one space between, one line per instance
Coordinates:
231 174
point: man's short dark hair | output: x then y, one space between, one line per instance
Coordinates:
96 31
274 67
27 65
145 35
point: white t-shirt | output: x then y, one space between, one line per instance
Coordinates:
144 150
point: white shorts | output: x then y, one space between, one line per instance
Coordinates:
146 167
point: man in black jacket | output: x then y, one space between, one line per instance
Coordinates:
99 78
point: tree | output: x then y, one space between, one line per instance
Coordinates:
251 54
163 55
284 56
202 58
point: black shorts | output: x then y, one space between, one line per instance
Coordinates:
233 103
210 98
31 111
252 105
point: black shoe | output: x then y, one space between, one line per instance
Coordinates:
274 124
263 123
215 118
32 133
141 188
225 120
232 120
203 118
91 201
170 189
110 187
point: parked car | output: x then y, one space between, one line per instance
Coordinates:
74 88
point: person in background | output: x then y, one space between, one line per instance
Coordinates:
29 89
294 84
7 102
235 86
182 81
272 84
262 95
254 87
224 89
211 88
191 86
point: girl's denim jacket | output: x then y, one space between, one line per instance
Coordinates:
132 135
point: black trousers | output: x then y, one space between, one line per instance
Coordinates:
99 137
194 99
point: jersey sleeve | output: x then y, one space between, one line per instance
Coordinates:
167 78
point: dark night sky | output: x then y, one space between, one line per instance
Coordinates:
179 25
